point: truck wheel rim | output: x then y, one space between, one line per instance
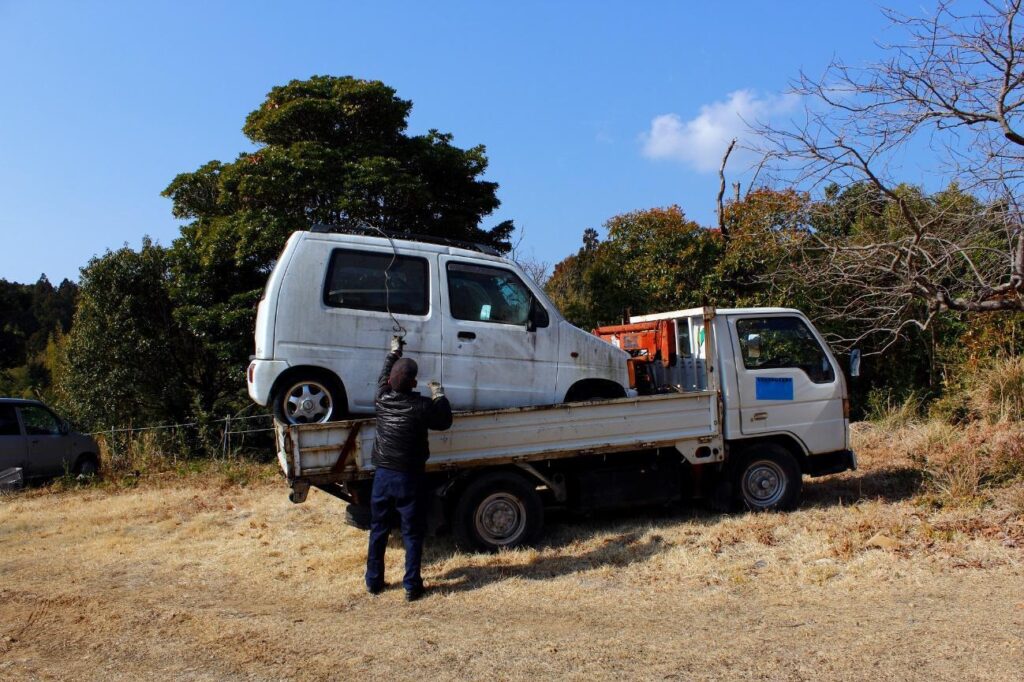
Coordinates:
764 483
308 402
500 519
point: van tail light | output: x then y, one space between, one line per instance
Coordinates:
252 370
846 407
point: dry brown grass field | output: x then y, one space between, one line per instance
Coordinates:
911 568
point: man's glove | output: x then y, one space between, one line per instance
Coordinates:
436 390
397 343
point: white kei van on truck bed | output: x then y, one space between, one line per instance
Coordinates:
473 321
757 401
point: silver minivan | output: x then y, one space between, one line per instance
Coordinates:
34 440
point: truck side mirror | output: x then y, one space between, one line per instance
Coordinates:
754 346
855 362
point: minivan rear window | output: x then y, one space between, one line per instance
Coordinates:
355 279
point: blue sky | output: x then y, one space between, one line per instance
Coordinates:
587 109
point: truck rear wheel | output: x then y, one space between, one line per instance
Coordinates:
769 479
498 510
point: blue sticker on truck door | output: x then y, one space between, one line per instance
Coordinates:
773 388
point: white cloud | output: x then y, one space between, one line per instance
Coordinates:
701 141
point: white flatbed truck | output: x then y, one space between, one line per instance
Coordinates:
753 400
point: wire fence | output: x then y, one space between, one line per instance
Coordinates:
231 436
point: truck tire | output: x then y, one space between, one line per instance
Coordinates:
768 479
498 510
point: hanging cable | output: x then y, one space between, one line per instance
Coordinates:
396 327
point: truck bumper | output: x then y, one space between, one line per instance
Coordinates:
830 463
261 376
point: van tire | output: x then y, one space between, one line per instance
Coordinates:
324 393
86 467
768 478
594 389
499 510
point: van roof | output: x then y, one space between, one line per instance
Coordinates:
401 244
690 312
20 401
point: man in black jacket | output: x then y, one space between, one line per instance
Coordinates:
400 452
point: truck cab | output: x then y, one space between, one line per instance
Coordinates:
779 380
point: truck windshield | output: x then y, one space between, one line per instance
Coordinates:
778 342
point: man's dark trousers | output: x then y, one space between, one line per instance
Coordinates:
401 492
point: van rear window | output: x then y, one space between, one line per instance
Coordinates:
9 421
356 279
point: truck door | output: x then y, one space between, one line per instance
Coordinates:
788 381
47 447
12 441
498 346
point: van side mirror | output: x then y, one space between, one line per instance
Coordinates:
855 362
538 317
65 428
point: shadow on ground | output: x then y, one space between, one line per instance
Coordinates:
632 533
619 550
888 485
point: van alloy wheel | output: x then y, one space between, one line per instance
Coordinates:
308 402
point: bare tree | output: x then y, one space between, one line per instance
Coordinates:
952 90
539 271
722 227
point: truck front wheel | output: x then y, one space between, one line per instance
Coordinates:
769 479
496 511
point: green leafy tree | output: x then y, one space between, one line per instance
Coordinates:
652 260
125 360
331 151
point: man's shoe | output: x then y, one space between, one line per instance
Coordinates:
375 589
415 593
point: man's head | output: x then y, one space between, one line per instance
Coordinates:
403 375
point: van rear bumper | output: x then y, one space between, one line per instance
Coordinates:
830 463
261 376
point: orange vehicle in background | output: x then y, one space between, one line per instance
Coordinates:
649 345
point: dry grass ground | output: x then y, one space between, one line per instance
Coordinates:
883 574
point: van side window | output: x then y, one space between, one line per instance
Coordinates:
9 421
484 294
39 421
774 342
355 279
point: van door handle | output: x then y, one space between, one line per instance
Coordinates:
759 417
467 336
